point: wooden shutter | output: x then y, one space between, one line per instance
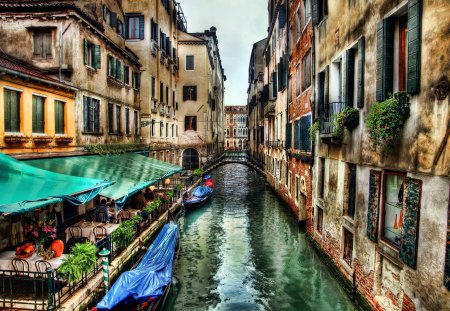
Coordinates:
414 43
47 44
118 69
447 252
326 89
7 94
97 57
282 16
12 111
320 93
113 20
127 23
288 135
185 93
96 116
297 135
59 117
85 44
141 27
315 12
274 85
305 124
138 78
410 230
374 205
37 42
385 58
350 73
110 118
86 114
194 91
38 114
361 64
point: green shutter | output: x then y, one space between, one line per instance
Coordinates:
119 69
274 85
97 57
361 64
86 114
59 117
350 73
385 58
288 135
297 135
34 114
326 87
141 27
7 94
373 207
410 230
414 43
38 114
85 51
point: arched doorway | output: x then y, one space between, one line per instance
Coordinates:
190 159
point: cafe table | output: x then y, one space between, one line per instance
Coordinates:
7 257
87 229
128 214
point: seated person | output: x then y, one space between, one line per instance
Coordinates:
139 201
102 213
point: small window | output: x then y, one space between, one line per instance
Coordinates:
12 110
135 27
306 71
59 117
161 129
319 220
42 44
110 118
106 14
297 188
127 121
190 123
290 183
347 255
120 28
306 9
189 93
38 114
126 75
351 194
153 87
153 129
136 80
190 62
91 115
118 120
136 123
322 178
92 55
392 209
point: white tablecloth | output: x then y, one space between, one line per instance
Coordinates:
7 257
128 214
87 229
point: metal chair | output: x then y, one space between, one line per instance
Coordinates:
126 215
21 267
76 236
76 232
41 267
99 233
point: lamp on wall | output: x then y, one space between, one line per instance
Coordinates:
167 181
152 188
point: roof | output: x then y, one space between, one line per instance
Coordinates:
25 187
16 66
131 172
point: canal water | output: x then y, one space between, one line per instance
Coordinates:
243 251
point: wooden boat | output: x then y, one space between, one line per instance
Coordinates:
200 195
146 286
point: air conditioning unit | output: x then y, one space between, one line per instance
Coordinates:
154 47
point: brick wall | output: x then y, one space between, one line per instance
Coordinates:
408 304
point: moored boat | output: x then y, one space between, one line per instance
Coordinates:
145 288
200 195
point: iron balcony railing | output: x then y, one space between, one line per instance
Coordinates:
278 144
328 117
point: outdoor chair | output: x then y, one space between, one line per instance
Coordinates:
41 268
126 215
21 267
99 233
76 236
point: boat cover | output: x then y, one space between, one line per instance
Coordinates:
149 278
202 191
207 177
209 183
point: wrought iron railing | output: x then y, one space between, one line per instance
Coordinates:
278 144
328 117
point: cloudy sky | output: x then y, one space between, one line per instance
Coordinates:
239 23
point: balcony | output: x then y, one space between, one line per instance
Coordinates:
162 109
328 118
269 109
276 144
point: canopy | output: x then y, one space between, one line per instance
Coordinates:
131 172
153 273
25 187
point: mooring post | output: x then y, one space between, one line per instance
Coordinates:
104 253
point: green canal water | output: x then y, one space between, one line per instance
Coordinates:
243 251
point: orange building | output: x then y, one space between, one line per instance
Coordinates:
37 113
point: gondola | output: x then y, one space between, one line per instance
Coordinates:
200 195
146 287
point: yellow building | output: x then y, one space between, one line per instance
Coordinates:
37 113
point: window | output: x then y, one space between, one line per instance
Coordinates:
297 188
154 30
274 85
126 75
118 120
335 81
322 178
306 71
167 96
323 9
190 123
297 80
319 220
392 209
59 117
167 129
153 130
12 110
306 9
106 14
347 255
189 92
110 118
298 30
290 183
135 27
92 56
136 80
305 140
173 130
136 123
38 114
161 129
91 115
153 87
114 67
161 92
127 121
189 62
42 43
120 29
351 195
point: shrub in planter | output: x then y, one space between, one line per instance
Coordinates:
82 259
347 118
124 234
313 130
384 123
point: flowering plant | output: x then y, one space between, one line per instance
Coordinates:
40 231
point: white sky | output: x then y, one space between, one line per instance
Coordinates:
239 23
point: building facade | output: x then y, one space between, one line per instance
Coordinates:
201 85
236 127
380 211
82 45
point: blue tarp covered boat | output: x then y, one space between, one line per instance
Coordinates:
147 285
200 196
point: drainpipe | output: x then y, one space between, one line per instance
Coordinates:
61 44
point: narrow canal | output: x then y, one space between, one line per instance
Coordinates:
243 251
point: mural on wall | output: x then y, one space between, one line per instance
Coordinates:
411 212
373 209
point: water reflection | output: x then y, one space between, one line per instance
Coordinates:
243 251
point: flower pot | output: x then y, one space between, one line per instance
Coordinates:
351 121
42 140
64 140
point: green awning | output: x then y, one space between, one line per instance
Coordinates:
131 172
24 187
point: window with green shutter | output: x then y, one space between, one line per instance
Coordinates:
297 135
38 114
126 74
59 117
274 85
288 135
118 74
12 110
127 121
92 54
91 115
42 43
414 46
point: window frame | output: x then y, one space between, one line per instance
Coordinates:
33 115
136 29
17 128
194 123
63 104
319 222
193 63
44 32
347 254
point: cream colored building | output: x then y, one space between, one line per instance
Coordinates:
201 89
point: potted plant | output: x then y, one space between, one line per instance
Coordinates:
124 234
314 129
81 260
42 139
384 123
64 140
